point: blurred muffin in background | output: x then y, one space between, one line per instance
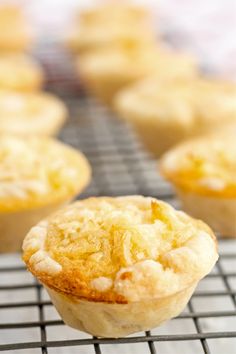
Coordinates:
31 113
20 72
107 71
121 12
108 25
87 40
202 171
166 112
15 33
37 176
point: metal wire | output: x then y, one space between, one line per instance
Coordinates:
120 167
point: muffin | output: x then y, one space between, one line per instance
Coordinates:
107 71
108 25
20 72
15 33
119 12
203 173
37 176
115 266
112 35
165 112
31 113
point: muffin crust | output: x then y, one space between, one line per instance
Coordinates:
35 172
20 72
119 250
205 166
35 113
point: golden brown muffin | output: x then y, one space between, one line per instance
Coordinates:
31 113
115 266
37 176
165 112
106 72
114 12
20 72
15 34
111 36
203 173
108 25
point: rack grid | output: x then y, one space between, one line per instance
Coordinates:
28 322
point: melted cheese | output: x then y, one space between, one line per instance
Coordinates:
130 247
206 165
197 104
18 72
35 168
100 238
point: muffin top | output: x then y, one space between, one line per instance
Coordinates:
19 72
125 60
111 36
14 30
110 24
206 165
119 249
10 14
195 102
25 113
129 59
38 171
114 12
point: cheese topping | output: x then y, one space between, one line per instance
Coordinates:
115 12
35 169
129 59
11 15
134 246
19 72
30 113
15 34
198 104
25 107
205 165
101 283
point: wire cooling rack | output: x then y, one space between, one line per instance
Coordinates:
29 323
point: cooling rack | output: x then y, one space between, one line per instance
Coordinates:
29 323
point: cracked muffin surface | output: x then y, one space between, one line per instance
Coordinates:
15 32
20 72
119 250
29 113
38 171
205 166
